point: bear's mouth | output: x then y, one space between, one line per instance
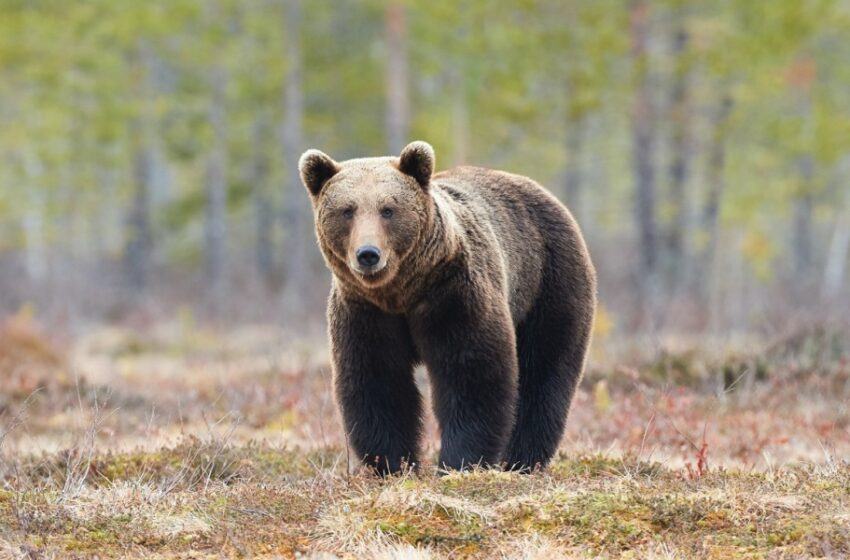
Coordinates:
371 274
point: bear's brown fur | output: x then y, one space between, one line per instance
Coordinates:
481 275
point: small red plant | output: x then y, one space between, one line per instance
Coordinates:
701 468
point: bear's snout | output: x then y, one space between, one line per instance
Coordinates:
368 256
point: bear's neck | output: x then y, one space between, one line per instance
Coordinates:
427 262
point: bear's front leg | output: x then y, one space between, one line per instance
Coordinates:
469 347
373 359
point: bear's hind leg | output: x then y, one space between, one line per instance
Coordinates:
551 346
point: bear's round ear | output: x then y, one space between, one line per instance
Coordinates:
417 160
316 168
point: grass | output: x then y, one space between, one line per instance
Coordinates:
176 443
200 498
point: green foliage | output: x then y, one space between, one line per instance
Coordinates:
83 85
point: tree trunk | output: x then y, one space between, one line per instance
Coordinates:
803 205
837 255
139 233
459 91
708 275
802 77
296 212
107 233
460 117
398 102
258 176
573 144
215 216
803 209
349 141
33 222
139 241
643 138
681 152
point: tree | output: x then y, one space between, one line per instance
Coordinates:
217 164
398 101
148 136
296 214
258 178
680 147
215 215
643 140
837 256
709 275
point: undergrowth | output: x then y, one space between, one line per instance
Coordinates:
204 497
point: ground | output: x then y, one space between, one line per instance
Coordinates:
172 440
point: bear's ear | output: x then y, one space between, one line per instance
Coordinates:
417 160
316 168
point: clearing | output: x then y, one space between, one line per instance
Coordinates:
185 442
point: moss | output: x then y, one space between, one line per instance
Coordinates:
443 531
277 499
596 466
825 539
485 486
604 521
686 514
286 420
684 368
195 461
254 502
734 369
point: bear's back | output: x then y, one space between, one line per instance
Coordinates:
510 216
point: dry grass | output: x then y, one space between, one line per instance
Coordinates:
186 443
275 502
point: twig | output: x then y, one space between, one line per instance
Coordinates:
80 456
19 418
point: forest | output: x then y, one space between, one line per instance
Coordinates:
165 385
150 148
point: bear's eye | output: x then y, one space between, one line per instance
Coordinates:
348 213
387 213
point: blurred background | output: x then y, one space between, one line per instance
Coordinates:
149 148
157 246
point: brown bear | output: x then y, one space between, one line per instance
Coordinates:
481 275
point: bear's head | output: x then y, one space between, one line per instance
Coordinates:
371 212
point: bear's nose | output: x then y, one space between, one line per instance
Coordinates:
368 255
